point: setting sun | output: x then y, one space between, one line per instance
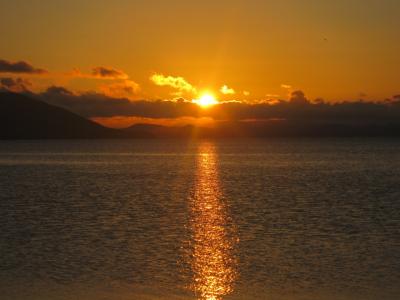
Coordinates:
206 100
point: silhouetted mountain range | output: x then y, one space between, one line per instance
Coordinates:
23 117
265 129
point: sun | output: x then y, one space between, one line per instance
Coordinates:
206 100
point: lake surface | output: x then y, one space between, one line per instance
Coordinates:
231 219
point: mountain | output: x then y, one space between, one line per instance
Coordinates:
22 117
268 129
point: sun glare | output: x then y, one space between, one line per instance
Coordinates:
206 100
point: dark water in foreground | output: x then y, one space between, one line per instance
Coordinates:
246 219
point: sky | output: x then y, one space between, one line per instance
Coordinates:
237 50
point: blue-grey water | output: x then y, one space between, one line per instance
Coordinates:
172 219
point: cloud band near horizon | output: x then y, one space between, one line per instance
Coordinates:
298 108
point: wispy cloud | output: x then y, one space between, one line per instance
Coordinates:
286 86
99 73
227 90
178 83
109 73
121 87
19 67
124 89
273 96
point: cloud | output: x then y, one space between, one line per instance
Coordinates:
114 101
178 83
94 105
227 91
298 98
122 86
124 89
15 85
286 86
299 110
108 73
273 96
59 91
19 67
99 73
246 93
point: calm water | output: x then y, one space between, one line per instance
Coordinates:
211 220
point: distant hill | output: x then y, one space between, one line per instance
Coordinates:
22 117
267 129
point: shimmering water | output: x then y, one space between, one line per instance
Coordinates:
167 219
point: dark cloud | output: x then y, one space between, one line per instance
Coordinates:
109 73
58 91
396 98
14 84
298 109
121 89
93 104
298 98
19 67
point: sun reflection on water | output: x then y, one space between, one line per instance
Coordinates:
213 262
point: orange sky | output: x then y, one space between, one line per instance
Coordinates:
330 49
237 50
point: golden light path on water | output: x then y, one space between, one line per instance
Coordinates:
213 262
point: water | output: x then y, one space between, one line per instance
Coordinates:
232 219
